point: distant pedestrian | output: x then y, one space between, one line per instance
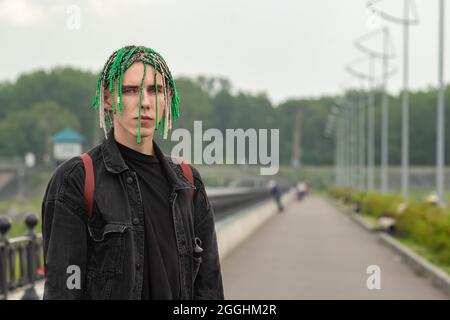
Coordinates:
276 193
301 189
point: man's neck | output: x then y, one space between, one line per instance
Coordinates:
145 147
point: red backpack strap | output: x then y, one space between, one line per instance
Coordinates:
89 183
187 171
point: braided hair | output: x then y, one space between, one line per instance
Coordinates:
111 79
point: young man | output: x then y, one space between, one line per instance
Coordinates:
150 234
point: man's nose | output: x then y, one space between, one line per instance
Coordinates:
146 99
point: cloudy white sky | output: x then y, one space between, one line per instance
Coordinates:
287 48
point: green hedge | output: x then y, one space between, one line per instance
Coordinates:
429 226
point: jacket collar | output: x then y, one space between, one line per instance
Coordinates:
114 162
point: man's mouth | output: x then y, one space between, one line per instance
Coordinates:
144 118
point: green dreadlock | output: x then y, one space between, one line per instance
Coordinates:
111 79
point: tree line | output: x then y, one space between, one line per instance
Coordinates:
40 103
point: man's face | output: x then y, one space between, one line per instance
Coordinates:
127 122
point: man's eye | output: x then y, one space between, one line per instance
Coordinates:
152 90
130 90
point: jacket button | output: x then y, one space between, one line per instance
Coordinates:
135 221
129 180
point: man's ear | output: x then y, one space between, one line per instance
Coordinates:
107 100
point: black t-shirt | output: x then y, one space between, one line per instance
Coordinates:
161 264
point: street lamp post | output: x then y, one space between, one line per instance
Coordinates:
406 22
385 117
371 128
405 107
362 137
440 110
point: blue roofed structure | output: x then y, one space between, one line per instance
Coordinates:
67 144
67 135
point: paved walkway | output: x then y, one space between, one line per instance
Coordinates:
312 251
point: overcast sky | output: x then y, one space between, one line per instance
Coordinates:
286 48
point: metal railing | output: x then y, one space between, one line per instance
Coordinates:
225 200
20 259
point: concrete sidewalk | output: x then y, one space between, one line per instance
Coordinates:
18 294
312 251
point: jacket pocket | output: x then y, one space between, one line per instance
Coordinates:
106 259
107 251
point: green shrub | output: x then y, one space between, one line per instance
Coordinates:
358 196
429 226
376 204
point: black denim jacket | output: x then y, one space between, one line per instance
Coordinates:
108 249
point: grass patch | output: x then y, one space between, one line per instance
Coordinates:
31 204
19 228
20 208
424 252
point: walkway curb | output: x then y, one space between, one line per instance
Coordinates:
439 278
